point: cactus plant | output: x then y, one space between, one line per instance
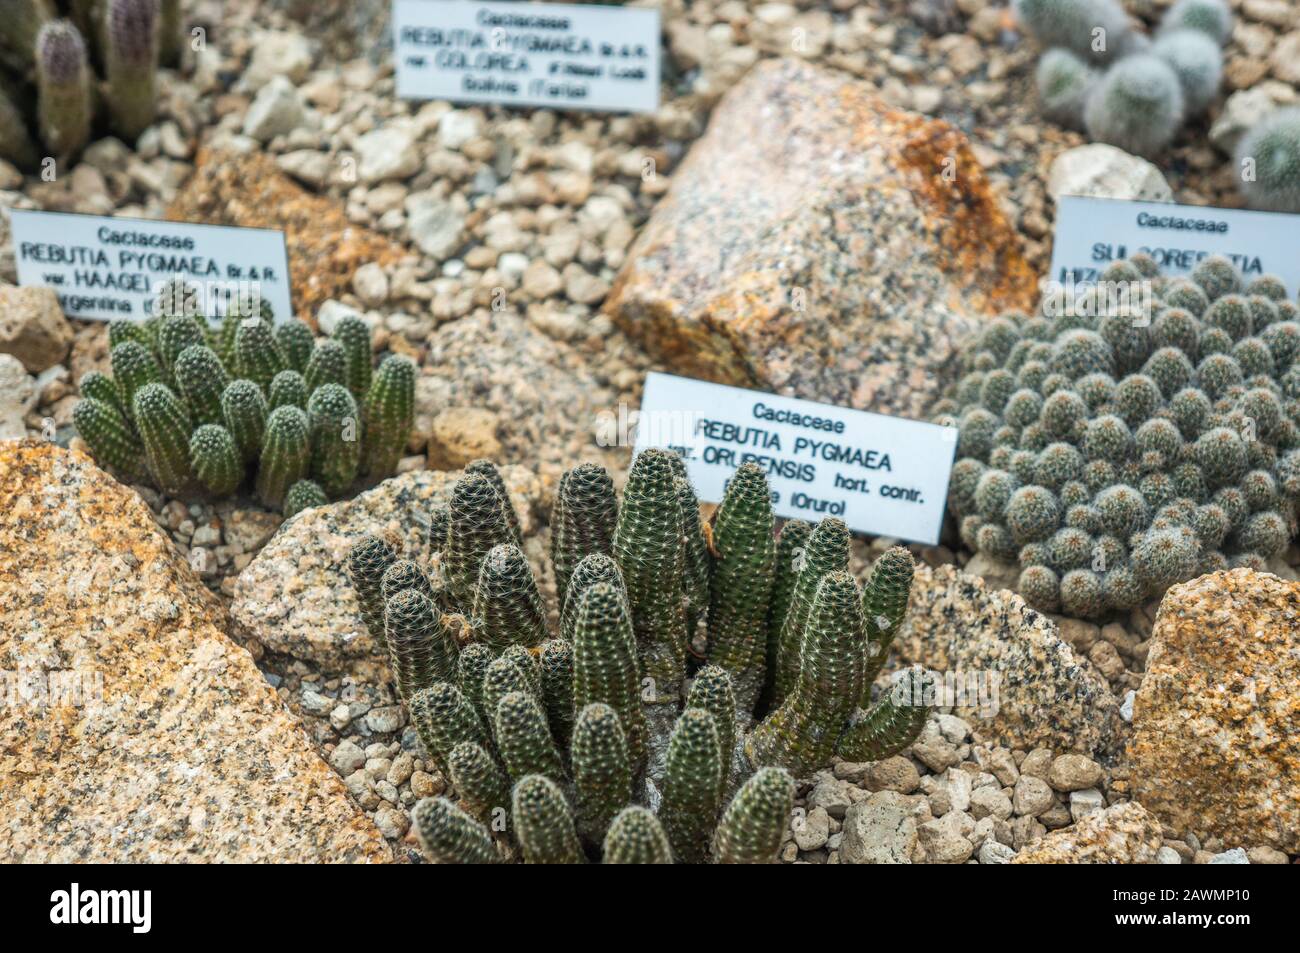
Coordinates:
1099 75
1137 105
243 376
1172 465
574 724
303 495
56 45
1268 162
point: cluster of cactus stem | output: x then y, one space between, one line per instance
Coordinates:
696 671
1141 434
50 93
1101 76
205 408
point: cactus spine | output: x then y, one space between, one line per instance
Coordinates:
637 837
165 426
691 785
215 459
583 522
63 85
335 437
286 454
389 413
450 836
543 823
754 822
602 770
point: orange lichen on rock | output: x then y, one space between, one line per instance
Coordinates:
250 191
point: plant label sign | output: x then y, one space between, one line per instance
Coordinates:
560 56
114 268
1092 233
882 475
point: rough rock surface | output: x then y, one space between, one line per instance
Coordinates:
295 597
33 328
1123 834
1102 171
250 191
1041 693
1215 747
818 243
141 733
17 394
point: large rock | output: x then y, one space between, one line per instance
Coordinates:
1215 746
1123 834
880 830
1022 685
818 243
1102 171
33 328
295 596
140 732
17 396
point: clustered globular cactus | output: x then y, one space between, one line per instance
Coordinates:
1099 75
1114 452
205 410
48 51
1268 162
600 742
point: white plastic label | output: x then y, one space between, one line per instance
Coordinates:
114 268
561 56
1092 233
886 476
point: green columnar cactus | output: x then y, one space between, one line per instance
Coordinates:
244 410
296 342
287 389
215 459
891 724
303 495
523 739
403 574
507 600
698 565
335 437
582 523
529 665
884 603
636 837
791 543
827 551
200 380
134 366
64 90
286 454
471 669
110 437
328 364
501 677
1268 162
593 569
354 335
556 658
482 786
543 823
170 31
439 523
18 31
130 64
257 356
488 470
691 786
100 387
477 524
755 821
648 548
602 770
801 733
419 648
745 556
443 719
450 836
605 663
368 561
177 333
711 691
389 414
164 424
